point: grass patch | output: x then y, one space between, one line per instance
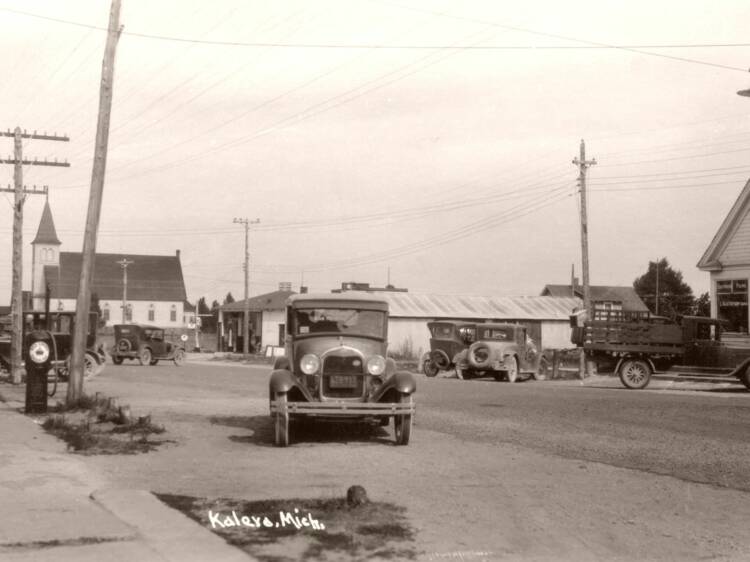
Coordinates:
97 425
373 530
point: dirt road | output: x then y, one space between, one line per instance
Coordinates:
470 498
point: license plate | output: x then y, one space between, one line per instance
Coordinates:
343 381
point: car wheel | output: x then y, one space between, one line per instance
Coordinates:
281 422
511 372
116 360
144 356
89 365
440 359
429 368
153 362
402 422
745 378
635 373
479 355
179 357
542 371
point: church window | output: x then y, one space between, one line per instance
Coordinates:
151 313
173 314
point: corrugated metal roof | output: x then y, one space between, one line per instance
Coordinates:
410 305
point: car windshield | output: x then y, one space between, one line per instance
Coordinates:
500 334
339 321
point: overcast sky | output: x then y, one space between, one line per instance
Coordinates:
431 139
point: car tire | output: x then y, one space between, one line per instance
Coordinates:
635 373
542 371
745 378
440 359
402 422
90 365
511 372
179 357
117 360
479 355
144 356
153 362
429 368
281 423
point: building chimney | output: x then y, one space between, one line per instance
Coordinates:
177 253
302 289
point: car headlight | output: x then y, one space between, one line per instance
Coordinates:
376 365
38 352
309 364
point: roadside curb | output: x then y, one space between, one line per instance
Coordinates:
168 532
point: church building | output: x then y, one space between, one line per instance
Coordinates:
152 287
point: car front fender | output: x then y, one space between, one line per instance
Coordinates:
281 380
402 382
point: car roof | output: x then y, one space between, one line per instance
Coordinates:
347 299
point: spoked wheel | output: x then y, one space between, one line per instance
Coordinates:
89 365
402 422
145 356
635 373
429 368
281 422
542 371
179 357
511 372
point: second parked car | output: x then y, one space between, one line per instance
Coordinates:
145 344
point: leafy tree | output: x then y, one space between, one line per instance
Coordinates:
675 297
703 305
229 298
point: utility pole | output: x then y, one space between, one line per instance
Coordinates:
124 263
246 313
83 302
583 166
657 287
16 335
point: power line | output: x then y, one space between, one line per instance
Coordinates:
371 46
565 38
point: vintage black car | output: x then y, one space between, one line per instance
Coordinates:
146 344
335 366
61 325
447 340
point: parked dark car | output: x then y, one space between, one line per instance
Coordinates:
504 350
335 366
146 344
61 325
447 340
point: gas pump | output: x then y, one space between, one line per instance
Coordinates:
40 348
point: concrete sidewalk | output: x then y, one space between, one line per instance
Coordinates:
54 508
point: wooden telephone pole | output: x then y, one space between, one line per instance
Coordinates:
246 314
83 303
583 166
20 193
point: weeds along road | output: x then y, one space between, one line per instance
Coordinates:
532 469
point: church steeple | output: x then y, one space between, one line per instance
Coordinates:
46 233
45 259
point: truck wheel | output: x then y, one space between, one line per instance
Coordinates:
402 423
144 356
429 368
512 369
281 422
635 373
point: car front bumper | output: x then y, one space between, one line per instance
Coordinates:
344 409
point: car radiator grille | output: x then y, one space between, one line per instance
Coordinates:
336 366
